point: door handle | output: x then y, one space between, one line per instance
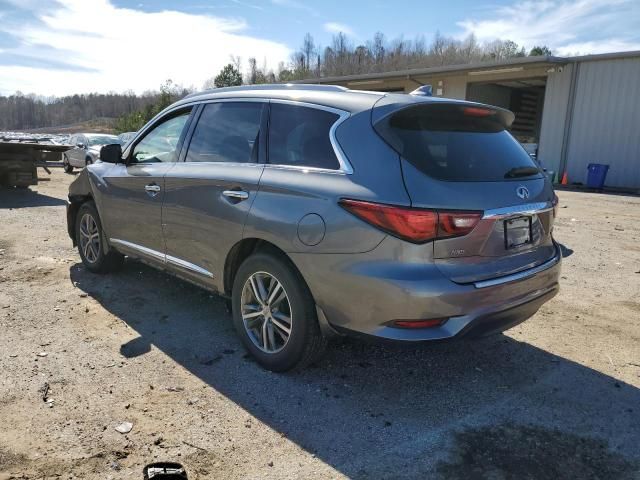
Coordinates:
152 189
236 194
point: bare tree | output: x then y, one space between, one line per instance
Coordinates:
309 50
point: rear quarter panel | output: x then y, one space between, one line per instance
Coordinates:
286 195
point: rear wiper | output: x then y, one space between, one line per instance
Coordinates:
521 172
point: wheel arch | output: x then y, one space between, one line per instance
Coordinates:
75 202
241 251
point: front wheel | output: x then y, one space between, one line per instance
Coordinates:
68 168
274 313
92 244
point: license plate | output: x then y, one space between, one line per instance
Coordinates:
517 232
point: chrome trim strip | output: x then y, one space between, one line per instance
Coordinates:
525 209
520 275
162 257
134 246
345 166
189 266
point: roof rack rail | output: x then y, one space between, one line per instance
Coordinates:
273 86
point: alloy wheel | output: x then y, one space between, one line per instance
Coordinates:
266 312
89 238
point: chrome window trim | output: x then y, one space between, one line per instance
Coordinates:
345 166
162 257
520 275
525 209
152 123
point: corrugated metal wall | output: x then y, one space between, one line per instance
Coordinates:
605 126
554 114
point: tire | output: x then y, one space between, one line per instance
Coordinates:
305 341
68 168
93 257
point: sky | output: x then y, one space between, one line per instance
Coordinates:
60 47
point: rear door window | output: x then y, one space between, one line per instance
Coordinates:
227 132
299 136
457 143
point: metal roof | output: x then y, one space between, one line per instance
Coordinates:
513 62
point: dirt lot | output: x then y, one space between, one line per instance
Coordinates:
557 397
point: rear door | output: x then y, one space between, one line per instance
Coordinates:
210 192
460 157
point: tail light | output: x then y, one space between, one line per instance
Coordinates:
415 225
455 224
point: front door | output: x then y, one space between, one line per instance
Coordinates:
208 196
132 193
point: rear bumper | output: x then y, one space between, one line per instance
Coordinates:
363 294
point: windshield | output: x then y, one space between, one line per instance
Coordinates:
102 139
457 143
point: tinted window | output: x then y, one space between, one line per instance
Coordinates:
456 143
300 136
160 144
227 132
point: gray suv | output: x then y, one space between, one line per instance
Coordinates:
320 210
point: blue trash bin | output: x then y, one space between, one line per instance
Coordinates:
597 175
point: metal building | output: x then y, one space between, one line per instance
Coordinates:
572 110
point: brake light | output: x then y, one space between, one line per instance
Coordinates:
477 112
413 224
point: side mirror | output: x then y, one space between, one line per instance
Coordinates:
80 145
111 153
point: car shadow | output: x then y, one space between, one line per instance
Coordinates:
373 410
26 198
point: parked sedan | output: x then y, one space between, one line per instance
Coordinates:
324 211
86 149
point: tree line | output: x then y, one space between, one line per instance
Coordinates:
24 112
311 60
343 57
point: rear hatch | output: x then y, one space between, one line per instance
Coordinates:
459 157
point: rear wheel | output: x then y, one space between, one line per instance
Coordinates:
68 168
274 313
92 244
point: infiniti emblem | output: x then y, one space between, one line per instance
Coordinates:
522 192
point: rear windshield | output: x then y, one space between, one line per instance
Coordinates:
457 143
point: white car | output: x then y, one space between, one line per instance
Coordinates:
86 149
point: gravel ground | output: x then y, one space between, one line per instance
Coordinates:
556 397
